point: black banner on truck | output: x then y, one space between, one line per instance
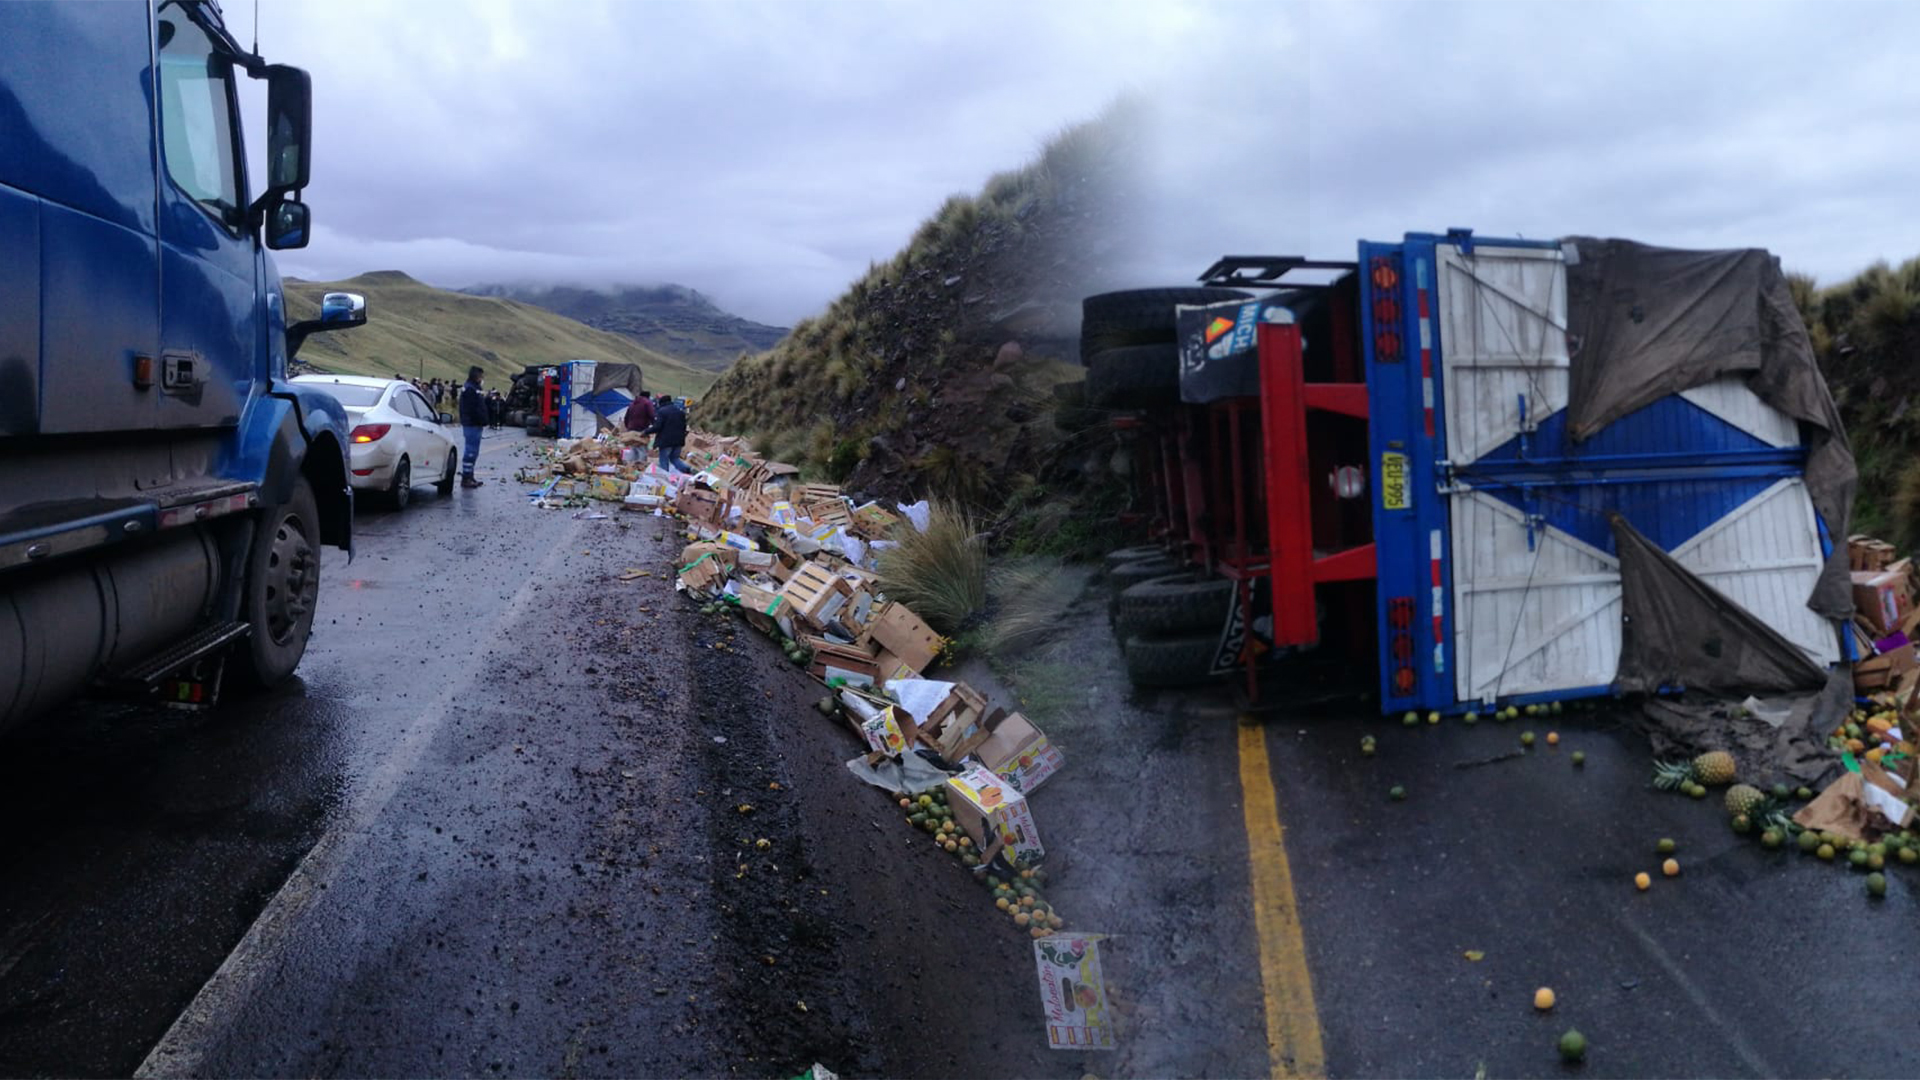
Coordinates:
1219 352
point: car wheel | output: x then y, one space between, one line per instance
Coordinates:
401 492
283 578
444 485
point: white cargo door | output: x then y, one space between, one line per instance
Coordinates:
1766 556
582 421
1503 334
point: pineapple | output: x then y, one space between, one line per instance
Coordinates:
1713 768
1745 801
1671 775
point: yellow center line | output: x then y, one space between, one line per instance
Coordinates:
1293 1024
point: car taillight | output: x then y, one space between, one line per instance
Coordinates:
366 433
1400 644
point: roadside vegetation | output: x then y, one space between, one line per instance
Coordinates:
1866 333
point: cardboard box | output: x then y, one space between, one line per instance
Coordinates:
1073 992
704 567
883 732
762 606
850 663
875 522
610 488
700 506
991 811
832 512
814 589
1881 599
1884 670
1020 753
902 633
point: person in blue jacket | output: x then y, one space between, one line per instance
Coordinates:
669 431
473 422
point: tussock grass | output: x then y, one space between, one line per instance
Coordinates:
1028 599
942 573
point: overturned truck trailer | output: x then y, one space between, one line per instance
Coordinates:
1565 468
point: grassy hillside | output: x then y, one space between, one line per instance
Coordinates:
1866 332
669 319
934 373
414 329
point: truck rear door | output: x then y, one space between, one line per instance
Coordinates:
1522 593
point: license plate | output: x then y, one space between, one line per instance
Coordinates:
1393 482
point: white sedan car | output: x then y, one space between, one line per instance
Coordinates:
396 439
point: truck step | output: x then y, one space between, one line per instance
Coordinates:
148 673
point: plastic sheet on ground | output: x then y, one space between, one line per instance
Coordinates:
908 774
1794 749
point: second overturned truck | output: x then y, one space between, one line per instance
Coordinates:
1511 470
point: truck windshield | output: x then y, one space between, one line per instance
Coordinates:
349 395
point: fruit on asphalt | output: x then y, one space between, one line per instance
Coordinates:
1803 793
1666 846
1526 738
1809 840
1433 718
1573 1046
1743 799
1553 738
1554 708
1824 851
1671 868
1396 793
1742 824
1410 719
1579 758
1471 717
1713 768
1699 791
1543 998
1781 792
1772 839
1857 858
1876 885
1909 856
1876 862
1366 747
1642 882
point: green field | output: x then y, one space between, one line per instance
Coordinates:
416 330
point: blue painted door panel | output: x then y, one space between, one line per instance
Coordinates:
20 303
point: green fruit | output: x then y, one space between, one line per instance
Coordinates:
1771 839
1410 719
1909 856
1742 824
1876 885
1780 791
1876 862
1665 846
1526 738
1533 710
1698 792
1470 718
1857 857
1803 793
1554 708
1397 793
1366 748
1573 1046
1433 718
1824 852
1853 731
1809 841
1579 758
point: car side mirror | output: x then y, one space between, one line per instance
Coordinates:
287 225
338 311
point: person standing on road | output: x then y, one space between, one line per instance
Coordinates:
473 423
669 429
639 414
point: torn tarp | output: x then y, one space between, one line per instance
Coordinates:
1645 322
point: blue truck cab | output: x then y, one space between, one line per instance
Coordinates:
164 491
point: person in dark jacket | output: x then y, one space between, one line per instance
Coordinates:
639 414
669 429
473 423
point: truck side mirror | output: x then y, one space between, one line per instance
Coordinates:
338 311
287 223
289 128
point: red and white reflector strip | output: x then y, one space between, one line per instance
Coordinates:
1439 601
186 515
1426 342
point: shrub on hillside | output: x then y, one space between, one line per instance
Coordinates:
941 574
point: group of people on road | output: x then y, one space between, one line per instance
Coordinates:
666 420
438 392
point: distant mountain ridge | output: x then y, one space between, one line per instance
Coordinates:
671 319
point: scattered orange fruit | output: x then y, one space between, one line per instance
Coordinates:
1553 738
1671 868
1642 882
1543 999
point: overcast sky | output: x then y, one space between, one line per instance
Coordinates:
765 153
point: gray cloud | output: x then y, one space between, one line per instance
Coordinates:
766 152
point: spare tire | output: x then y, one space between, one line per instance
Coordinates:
1134 377
1171 661
1134 554
1184 604
1139 316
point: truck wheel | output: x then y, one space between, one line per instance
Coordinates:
1185 604
1134 377
1134 554
1173 661
401 493
1139 570
444 485
1139 316
283 578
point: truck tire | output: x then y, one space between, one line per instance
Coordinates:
1169 661
1134 554
1170 606
1132 573
1134 377
283 578
1139 316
